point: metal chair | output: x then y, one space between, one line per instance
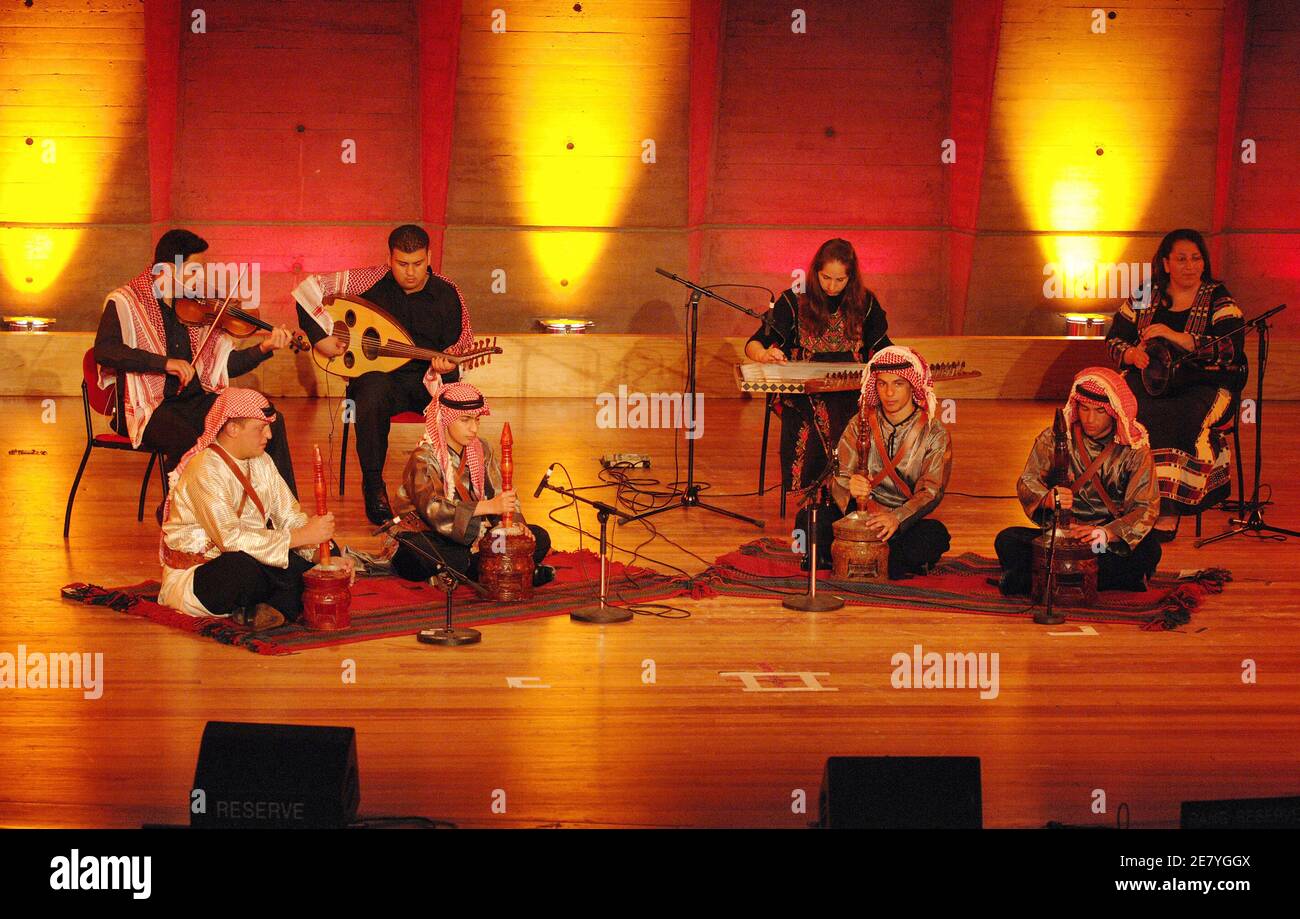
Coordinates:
107 402
771 408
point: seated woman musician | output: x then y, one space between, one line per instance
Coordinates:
836 319
453 480
1185 308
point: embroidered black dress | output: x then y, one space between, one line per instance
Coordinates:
1193 461
811 425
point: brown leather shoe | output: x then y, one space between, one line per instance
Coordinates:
262 618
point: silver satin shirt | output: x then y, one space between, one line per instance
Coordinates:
925 467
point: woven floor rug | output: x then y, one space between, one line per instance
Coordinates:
766 568
384 607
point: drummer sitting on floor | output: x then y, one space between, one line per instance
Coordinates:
1114 497
453 480
905 471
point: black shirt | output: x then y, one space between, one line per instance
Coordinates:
783 329
431 316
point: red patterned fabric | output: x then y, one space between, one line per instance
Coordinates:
1112 393
438 415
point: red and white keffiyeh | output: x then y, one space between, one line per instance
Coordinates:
233 403
140 317
313 290
1103 386
449 403
909 365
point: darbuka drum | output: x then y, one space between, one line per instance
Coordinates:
857 552
1074 571
505 563
327 598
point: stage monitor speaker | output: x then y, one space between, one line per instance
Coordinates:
1241 814
902 793
275 776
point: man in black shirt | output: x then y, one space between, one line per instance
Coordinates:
165 390
428 306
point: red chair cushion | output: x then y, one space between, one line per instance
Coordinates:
114 439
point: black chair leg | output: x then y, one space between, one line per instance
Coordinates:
762 452
162 476
1198 524
1241 473
67 513
343 460
144 486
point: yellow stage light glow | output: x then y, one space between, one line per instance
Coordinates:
577 111
1075 182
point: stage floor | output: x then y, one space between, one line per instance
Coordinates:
1148 718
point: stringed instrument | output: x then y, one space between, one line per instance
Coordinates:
825 376
375 341
237 322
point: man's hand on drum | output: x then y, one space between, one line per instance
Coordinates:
883 523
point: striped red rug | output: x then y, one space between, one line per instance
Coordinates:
388 607
767 568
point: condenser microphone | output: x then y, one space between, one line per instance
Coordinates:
545 479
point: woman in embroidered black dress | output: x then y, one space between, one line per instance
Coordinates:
1186 306
837 319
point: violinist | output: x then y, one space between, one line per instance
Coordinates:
168 389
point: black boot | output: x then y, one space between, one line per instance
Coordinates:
378 509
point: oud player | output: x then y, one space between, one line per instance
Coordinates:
431 310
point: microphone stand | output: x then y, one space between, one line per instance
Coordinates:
447 577
601 613
813 602
1254 520
1047 616
691 497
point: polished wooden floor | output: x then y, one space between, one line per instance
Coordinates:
1150 719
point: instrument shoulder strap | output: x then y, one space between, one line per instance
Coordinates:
889 463
249 492
1091 473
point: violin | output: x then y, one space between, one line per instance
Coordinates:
235 321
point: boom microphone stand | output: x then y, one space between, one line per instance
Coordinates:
691 497
1254 520
447 578
601 613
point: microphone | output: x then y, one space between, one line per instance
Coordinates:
545 479
666 274
387 525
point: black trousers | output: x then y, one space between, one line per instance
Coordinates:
236 580
913 551
378 396
177 422
1114 572
411 565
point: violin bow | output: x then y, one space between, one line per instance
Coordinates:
216 321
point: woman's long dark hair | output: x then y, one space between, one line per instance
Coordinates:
1160 277
814 305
